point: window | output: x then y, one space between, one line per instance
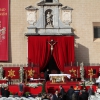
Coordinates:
96 31
49 0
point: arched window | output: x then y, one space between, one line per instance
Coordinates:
49 0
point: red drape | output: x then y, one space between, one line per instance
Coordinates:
4 20
39 50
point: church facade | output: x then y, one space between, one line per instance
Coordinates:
83 22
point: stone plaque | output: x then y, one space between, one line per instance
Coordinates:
31 17
66 16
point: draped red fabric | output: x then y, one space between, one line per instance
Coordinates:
39 50
4 29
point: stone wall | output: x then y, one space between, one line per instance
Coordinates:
84 13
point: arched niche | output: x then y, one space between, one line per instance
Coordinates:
48 18
49 1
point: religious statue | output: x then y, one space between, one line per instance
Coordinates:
1 72
82 71
52 43
49 19
21 73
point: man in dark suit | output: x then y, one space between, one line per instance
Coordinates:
70 93
55 96
9 81
6 92
2 90
46 75
62 92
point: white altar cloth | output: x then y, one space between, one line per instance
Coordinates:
58 77
64 75
68 75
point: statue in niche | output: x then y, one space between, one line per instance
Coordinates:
49 19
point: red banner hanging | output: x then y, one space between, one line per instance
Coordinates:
4 18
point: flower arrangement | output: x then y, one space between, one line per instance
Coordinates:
34 85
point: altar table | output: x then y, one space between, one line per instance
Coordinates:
55 77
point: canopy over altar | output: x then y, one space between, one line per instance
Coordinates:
39 50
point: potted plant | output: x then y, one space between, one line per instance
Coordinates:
43 88
26 94
11 94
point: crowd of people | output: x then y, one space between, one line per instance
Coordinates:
72 94
4 90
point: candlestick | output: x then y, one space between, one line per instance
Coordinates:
77 63
71 63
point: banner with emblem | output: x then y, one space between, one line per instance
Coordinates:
4 18
12 72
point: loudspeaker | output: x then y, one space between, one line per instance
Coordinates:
94 71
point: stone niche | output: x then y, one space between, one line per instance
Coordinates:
53 19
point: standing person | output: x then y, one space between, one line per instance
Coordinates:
83 95
70 93
21 88
46 75
2 90
9 80
77 91
55 96
60 97
90 91
6 92
62 92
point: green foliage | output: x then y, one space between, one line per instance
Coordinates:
26 94
11 93
43 88
84 85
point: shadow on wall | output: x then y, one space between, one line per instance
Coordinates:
81 54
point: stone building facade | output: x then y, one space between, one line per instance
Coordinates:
85 15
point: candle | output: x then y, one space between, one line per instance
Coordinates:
71 63
77 63
77 72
